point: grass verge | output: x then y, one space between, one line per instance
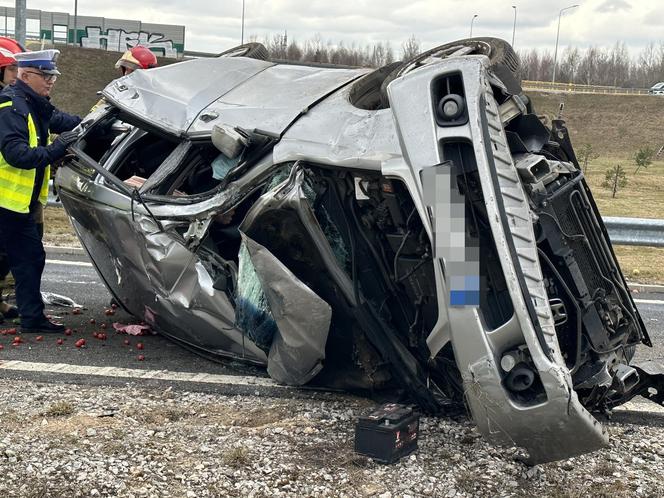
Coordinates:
57 228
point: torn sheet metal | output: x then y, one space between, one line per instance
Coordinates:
302 318
293 197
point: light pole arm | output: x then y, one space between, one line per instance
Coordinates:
514 27
555 52
242 35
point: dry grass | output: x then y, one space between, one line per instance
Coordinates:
57 228
236 457
641 264
158 415
615 125
59 409
641 198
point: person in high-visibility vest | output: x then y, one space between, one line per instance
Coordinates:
27 118
8 73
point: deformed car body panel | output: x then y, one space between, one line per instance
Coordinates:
274 98
166 97
302 318
248 93
155 277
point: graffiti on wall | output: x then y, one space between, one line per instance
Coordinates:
120 40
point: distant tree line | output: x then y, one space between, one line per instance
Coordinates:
597 66
316 50
592 66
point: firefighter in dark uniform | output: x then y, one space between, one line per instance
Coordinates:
27 118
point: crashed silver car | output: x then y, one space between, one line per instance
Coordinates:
416 228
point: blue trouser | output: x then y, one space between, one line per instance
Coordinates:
22 237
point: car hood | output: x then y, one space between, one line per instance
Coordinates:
192 96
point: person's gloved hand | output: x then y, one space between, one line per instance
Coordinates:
58 149
67 138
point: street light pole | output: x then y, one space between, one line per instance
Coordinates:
555 53
514 27
19 21
242 37
75 22
471 25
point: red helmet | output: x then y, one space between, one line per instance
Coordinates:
137 58
8 47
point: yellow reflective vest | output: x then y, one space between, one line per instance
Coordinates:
16 184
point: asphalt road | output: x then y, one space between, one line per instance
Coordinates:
74 276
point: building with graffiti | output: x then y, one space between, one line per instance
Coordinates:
117 35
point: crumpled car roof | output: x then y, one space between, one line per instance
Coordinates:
238 91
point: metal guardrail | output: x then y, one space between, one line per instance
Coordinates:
635 231
578 88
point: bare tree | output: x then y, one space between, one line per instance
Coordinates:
410 48
277 46
315 50
294 52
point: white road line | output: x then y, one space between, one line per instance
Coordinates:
67 263
648 301
134 373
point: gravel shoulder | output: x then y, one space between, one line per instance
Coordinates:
80 441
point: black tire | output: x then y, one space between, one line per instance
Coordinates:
252 50
366 92
504 61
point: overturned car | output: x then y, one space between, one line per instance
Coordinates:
415 228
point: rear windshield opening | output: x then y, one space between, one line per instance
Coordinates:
154 162
104 137
146 153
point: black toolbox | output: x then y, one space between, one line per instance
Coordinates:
388 433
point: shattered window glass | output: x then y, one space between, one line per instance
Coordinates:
252 312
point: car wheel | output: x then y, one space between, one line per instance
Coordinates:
504 61
253 50
366 92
